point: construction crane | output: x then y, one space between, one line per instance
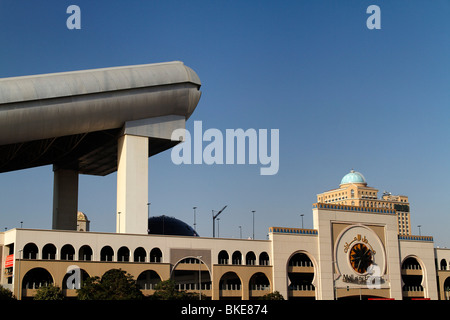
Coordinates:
214 219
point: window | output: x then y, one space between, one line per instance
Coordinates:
67 252
236 257
223 257
155 255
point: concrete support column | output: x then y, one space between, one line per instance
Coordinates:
132 184
65 199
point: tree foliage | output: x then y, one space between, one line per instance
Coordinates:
49 292
166 290
273 296
6 294
115 284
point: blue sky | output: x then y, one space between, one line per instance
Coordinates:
341 95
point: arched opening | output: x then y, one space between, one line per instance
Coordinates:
223 257
263 259
300 260
106 254
191 274
412 278
36 278
155 255
123 254
443 264
85 253
230 286
259 285
447 289
67 252
301 276
139 255
236 258
113 272
250 258
30 251
49 252
148 279
83 275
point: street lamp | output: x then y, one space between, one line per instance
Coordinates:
302 219
218 227
118 213
18 275
419 226
195 224
240 231
253 211
200 277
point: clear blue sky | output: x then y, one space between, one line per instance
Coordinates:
342 96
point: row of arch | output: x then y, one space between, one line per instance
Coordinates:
85 253
444 265
237 258
148 279
123 254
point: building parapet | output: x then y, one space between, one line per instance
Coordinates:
292 230
415 238
353 208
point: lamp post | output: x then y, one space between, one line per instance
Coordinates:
302 219
118 213
419 226
253 211
18 275
200 277
218 228
195 224
240 232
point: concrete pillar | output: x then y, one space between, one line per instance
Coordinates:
132 184
65 199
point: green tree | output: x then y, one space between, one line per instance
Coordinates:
115 284
49 292
166 290
273 296
6 294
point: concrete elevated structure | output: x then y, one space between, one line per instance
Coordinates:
96 122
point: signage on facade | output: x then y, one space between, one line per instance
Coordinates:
9 261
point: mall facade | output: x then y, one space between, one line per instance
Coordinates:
360 247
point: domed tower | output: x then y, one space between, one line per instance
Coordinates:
354 191
82 222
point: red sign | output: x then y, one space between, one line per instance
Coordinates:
9 261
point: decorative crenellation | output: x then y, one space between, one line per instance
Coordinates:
415 238
292 230
353 208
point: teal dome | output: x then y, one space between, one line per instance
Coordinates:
353 177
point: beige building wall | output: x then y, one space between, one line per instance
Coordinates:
336 228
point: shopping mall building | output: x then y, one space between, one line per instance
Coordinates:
360 247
